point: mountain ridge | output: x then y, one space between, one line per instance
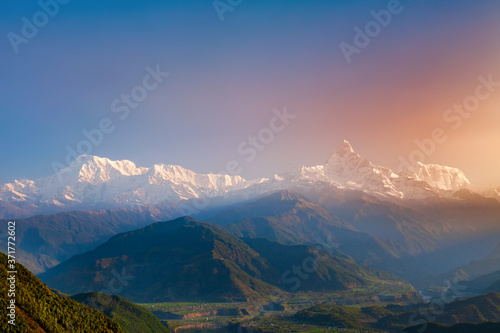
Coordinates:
187 260
93 182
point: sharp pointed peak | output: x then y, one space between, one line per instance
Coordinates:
344 147
343 150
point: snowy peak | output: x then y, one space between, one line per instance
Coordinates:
345 161
345 148
346 169
350 166
441 177
166 173
343 152
92 181
97 170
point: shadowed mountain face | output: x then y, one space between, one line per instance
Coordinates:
289 218
281 202
478 267
330 272
479 276
482 284
285 217
384 235
38 309
422 226
185 260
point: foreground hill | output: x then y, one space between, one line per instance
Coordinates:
38 309
186 260
131 317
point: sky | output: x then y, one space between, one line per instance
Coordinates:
271 85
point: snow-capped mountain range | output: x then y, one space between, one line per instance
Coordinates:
345 169
95 182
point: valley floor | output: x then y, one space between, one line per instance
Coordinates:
271 315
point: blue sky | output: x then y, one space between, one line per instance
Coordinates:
227 76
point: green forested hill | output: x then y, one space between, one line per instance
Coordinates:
38 309
178 260
331 272
131 317
187 260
